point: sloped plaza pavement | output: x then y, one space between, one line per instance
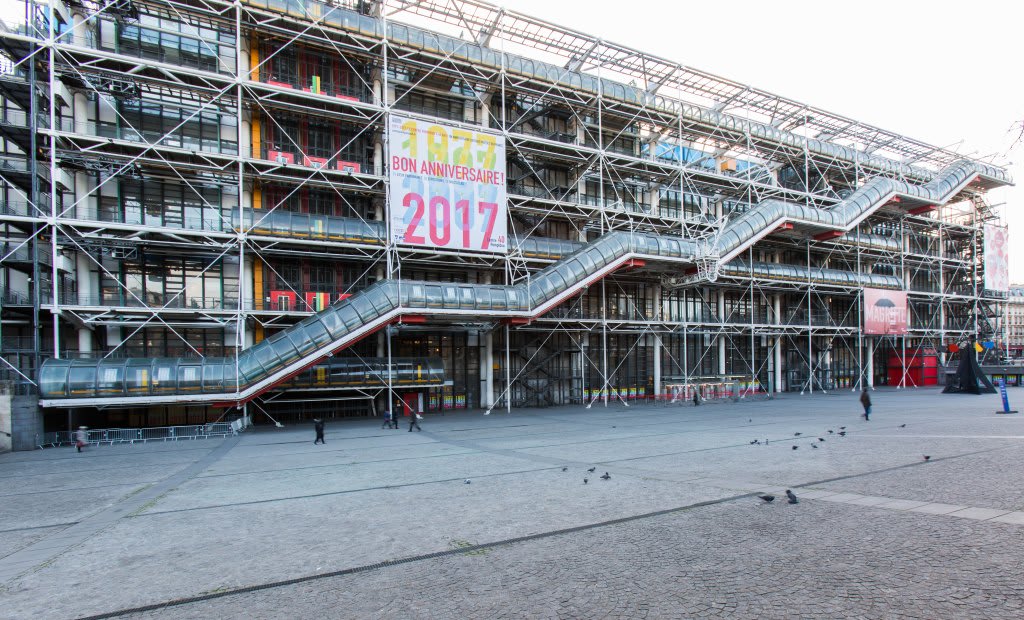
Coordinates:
382 523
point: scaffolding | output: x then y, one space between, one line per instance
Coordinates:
189 178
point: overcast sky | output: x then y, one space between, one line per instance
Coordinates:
946 73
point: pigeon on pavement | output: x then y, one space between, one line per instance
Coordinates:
797 434
796 447
565 469
592 469
821 439
585 481
927 458
467 481
606 476
792 497
903 426
842 433
814 445
767 498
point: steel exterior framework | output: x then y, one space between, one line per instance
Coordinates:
582 163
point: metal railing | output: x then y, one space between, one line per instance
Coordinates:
111 436
169 301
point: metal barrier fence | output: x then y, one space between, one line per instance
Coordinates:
131 435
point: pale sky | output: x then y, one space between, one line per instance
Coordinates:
946 73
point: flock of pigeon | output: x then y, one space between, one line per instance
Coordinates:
757 442
605 476
789 494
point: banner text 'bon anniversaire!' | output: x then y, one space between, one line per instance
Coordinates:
447 186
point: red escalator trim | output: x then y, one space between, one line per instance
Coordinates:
830 234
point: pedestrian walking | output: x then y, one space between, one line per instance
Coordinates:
865 399
414 420
318 424
388 419
81 438
696 398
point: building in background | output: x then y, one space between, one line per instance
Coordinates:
1014 322
260 204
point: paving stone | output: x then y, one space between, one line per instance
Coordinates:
937 509
981 514
1017 518
843 498
663 538
901 504
870 501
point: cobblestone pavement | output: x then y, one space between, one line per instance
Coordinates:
381 523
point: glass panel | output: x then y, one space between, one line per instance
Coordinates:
364 307
249 368
213 376
82 381
433 296
314 332
189 377
299 340
110 378
53 380
164 375
284 350
138 376
483 298
344 321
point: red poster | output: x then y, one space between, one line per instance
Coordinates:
885 312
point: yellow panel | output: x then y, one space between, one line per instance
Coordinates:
257 147
257 287
254 57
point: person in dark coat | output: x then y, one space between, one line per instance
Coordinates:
318 424
865 399
414 420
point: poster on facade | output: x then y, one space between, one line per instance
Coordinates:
997 276
885 312
447 186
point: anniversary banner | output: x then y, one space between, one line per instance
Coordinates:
447 186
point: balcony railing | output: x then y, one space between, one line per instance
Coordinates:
153 301
218 145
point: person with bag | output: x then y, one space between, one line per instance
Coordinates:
414 419
318 425
865 400
81 438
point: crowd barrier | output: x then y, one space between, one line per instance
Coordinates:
131 435
708 389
